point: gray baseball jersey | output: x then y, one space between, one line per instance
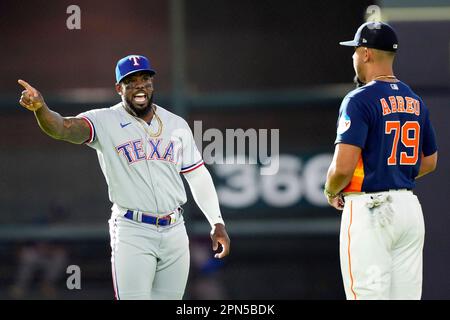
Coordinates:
143 171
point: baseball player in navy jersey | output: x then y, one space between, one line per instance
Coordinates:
385 141
142 148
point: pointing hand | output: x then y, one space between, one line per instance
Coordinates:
31 98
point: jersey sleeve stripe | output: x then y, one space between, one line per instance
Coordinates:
192 167
91 130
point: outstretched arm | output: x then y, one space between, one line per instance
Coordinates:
205 195
71 129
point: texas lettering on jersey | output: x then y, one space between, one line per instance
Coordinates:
133 151
131 159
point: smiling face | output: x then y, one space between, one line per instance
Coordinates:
137 92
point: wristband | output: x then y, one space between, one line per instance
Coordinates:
330 195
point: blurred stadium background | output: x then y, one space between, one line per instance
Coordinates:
232 64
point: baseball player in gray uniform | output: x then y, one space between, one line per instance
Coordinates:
142 148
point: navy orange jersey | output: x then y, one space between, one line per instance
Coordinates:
391 124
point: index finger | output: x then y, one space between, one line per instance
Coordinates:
26 85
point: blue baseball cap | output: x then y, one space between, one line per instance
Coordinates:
376 35
131 64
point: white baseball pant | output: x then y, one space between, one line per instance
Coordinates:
381 246
148 261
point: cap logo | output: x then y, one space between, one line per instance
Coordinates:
395 46
364 40
135 60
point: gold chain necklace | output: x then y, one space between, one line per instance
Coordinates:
385 76
146 126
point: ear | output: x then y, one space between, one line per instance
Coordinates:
368 54
119 89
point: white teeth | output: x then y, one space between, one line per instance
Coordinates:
140 99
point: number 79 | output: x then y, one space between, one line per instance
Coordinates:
402 133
